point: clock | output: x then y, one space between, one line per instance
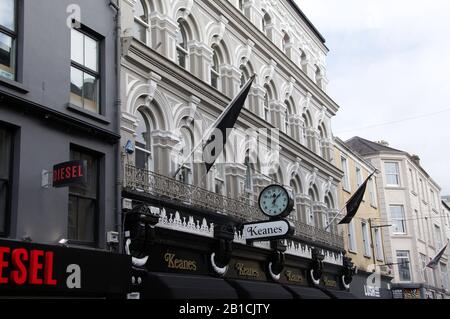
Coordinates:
276 201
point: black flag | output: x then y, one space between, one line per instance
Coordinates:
435 261
354 202
226 121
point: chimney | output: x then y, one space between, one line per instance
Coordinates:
383 142
415 159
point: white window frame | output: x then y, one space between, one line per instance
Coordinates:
397 174
405 228
378 245
352 245
346 178
366 239
373 192
408 258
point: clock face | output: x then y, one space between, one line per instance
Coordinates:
275 200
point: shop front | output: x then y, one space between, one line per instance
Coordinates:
371 286
29 270
180 254
417 291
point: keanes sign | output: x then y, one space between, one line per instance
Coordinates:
267 230
70 173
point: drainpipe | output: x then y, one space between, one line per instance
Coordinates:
117 113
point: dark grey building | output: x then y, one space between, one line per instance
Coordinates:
58 94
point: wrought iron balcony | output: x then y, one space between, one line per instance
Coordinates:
162 186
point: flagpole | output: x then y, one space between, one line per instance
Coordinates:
335 217
222 115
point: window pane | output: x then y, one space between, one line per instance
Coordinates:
8 14
142 132
90 53
90 189
76 87
5 153
7 56
90 93
403 265
77 46
81 224
139 11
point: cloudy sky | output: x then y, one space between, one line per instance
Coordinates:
389 62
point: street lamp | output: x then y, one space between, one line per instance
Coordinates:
371 239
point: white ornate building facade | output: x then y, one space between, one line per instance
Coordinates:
182 63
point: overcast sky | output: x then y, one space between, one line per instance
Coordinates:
390 61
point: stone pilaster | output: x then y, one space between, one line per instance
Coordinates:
255 100
164 144
163 35
295 127
235 179
200 59
277 114
230 80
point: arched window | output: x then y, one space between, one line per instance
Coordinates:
303 60
317 75
296 186
248 183
143 142
182 52
289 112
323 145
307 124
268 96
313 198
187 143
215 72
327 216
266 22
286 45
245 75
241 5
141 21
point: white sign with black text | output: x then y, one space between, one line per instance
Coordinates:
267 230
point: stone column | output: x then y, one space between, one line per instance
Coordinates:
253 12
255 100
163 35
311 139
294 128
302 203
235 179
230 80
277 114
309 67
319 214
200 60
164 144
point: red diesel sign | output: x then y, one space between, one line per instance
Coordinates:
69 173
34 267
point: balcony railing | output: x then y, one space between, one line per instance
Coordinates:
162 186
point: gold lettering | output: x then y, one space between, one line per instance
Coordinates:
182 264
294 277
246 271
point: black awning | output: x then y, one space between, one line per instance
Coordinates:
339 294
301 292
175 286
259 290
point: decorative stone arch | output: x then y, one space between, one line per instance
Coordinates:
243 53
267 73
159 6
143 94
181 9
